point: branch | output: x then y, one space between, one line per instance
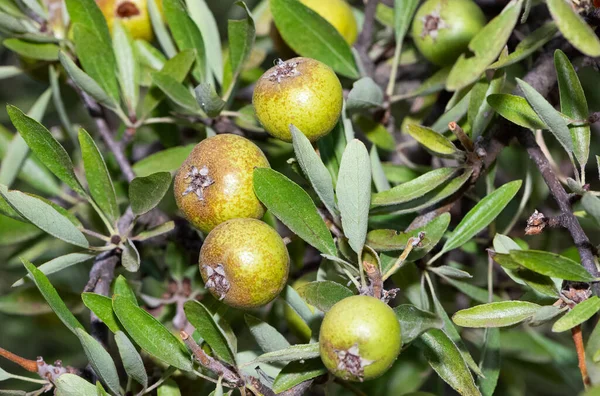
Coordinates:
578 340
366 37
101 276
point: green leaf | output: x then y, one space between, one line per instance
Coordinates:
496 314
486 45
413 189
482 215
591 204
292 353
9 71
160 29
132 361
266 336
516 110
12 24
546 314
364 95
414 322
168 388
101 306
13 231
574 27
59 103
97 59
579 314
154 232
37 8
100 360
314 169
297 303
490 362
434 142
88 14
204 19
96 173
297 372
294 208
454 111
547 113
168 160
573 104
40 51
376 132
130 258
44 216
27 301
324 294
122 289
127 65
186 35
241 35
379 177
58 264
150 334
353 193
52 297
86 83
551 264
433 84
147 192
445 358
209 101
310 35
480 112
536 40
73 385
175 91
209 330
46 148
476 293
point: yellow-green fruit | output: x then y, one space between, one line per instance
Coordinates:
215 182
244 263
339 14
133 14
359 338
294 321
300 91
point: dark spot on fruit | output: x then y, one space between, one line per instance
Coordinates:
351 362
217 281
127 9
432 23
199 179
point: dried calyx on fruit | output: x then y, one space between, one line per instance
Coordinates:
215 182
300 91
360 338
244 263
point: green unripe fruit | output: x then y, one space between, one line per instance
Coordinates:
215 183
442 29
299 91
360 338
294 321
244 263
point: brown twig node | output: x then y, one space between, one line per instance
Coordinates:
461 135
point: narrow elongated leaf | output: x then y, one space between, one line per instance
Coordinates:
413 189
294 208
154 232
310 35
44 216
486 45
241 35
528 45
132 361
445 358
482 215
160 29
496 314
380 180
99 180
591 204
475 292
204 19
481 112
40 51
209 101
127 65
266 336
314 170
9 71
365 95
122 289
73 385
147 192
414 322
150 334
579 314
100 360
551 264
209 330
517 110
168 160
490 362
45 147
101 306
547 113
130 258
292 353
436 143
297 372
52 297
324 294
297 303
574 28
59 264
353 192
175 91
87 13
186 35
573 104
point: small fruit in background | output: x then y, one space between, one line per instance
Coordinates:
443 29
215 182
244 263
300 91
133 14
339 14
360 338
294 321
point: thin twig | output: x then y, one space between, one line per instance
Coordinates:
101 276
578 340
366 37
